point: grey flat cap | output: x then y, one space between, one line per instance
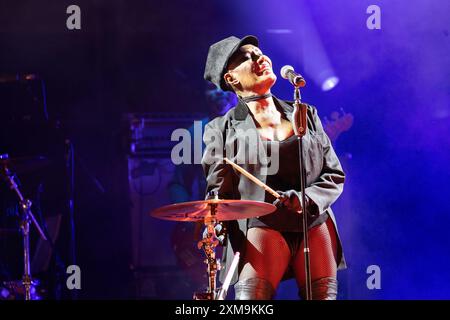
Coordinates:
218 55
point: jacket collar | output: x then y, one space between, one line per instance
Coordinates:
241 112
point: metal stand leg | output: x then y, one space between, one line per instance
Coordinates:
27 217
26 279
209 244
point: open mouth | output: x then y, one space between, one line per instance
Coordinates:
263 70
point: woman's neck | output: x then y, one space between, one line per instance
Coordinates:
259 102
262 106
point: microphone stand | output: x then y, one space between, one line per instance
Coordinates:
300 127
70 171
72 159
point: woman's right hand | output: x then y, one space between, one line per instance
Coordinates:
289 199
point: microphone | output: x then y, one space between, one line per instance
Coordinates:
299 114
287 72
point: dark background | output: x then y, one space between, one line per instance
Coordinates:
148 56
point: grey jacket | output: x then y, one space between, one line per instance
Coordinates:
324 174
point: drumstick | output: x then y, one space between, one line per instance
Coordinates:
253 178
223 292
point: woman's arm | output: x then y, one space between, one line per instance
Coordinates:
329 185
219 176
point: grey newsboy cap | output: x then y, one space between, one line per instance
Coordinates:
218 55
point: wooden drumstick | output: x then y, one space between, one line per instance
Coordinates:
253 178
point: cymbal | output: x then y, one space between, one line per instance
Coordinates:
23 164
226 210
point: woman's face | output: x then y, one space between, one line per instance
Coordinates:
250 71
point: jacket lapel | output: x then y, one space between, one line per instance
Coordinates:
285 107
243 119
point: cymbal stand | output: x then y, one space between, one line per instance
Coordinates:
209 244
26 218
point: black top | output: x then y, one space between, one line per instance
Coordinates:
288 177
325 177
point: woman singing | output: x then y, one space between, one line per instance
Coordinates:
271 246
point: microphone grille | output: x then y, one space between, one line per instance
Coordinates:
284 71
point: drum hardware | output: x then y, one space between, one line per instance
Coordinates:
27 217
211 212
